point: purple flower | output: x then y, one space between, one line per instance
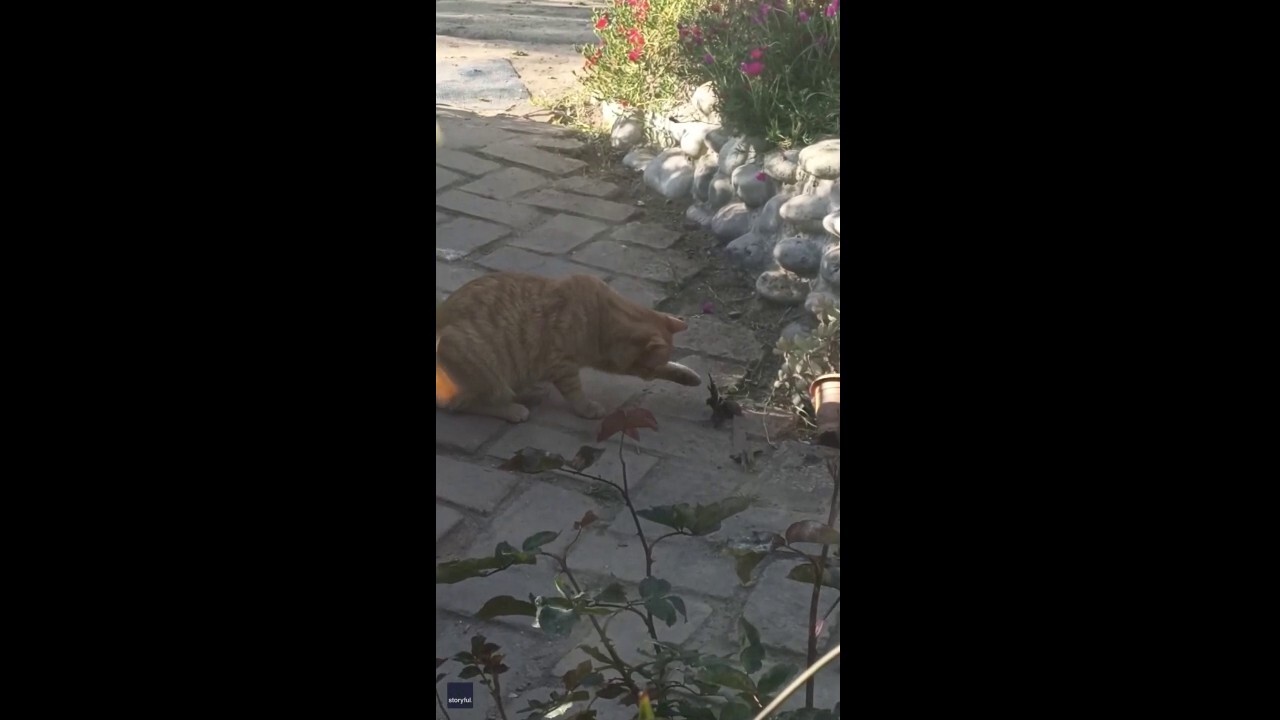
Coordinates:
804 16
708 59
833 8
752 69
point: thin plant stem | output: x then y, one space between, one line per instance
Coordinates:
648 550
624 671
497 696
820 568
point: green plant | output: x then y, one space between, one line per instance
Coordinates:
775 66
634 63
681 683
806 358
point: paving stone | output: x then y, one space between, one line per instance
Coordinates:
540 507
581 204
506 183
566 442
758 519
556 143
560 234
628 634
637 261
466 432
710 336
442 217
507 213
450 277
474 487
528 652
770 424
464 162
794 477
470 135
444 177
519 152
639 291
648 234
587 186
467 234
676 481
528 127
446 519
667 399
696 440
688 563
509 259
779 608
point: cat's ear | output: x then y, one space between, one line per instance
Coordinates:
675 324
655 355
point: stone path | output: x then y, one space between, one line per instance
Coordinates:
508 197
486 49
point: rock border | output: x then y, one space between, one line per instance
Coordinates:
776 213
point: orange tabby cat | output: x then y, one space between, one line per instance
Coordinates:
500 335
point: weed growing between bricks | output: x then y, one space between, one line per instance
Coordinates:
672 682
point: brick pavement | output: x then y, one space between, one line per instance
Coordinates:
509 196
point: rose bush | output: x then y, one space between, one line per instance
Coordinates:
775 66
636 60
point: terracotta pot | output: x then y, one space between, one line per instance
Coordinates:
825 395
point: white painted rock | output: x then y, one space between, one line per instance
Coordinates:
705 100
694 140
781 165
769 222
670 174
822 159
737 152
800 254
639 158
721 192
627 133
805 212
831 264
750 252
731 221
716 139
820 299
704 171
831 223
753 186
697 216
782 287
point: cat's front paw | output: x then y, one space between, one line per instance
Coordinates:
516 413
589 409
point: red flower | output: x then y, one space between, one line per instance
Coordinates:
634 55
602 23
757 53
752 69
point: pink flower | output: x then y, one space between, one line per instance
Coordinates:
634 55
752 69
761 176
708 59
757 53
833 8
804 16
